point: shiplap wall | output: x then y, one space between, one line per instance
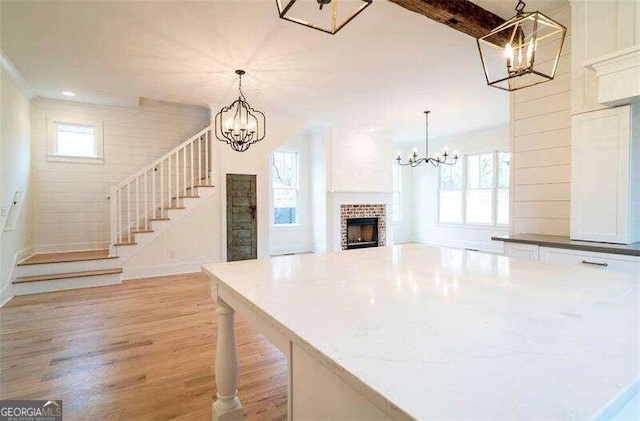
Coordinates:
541 149
71 205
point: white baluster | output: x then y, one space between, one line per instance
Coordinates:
199 160
206 160
113 220
138 203
184 170
146 200
161 190
227 406
191 172
153 190
170 180
129 212
119 216
177 177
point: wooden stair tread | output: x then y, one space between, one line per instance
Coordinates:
187 197
159 219
174 207
64 257
125 244
141 231
67 275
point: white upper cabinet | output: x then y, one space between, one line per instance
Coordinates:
605 184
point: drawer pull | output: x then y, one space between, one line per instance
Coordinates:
586 262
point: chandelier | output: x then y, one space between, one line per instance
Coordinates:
443 158
240 125
522 52
314 14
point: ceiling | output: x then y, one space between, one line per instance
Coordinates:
380 72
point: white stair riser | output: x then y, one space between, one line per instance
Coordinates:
64 284
66 267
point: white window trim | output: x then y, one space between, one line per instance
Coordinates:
494 194
52 132
272 188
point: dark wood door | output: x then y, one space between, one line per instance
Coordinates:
242 229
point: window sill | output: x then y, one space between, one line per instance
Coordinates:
285 226
476 226
75 159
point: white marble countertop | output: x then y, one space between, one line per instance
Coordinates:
445 333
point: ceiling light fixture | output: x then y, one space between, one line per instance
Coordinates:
68 93
443 158
240 125
522 52
329 19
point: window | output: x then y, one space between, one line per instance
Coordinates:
397 187
450 197
285 182
480 189
476 190
74 142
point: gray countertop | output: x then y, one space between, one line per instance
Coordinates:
562 242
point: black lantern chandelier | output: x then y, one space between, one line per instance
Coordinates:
522 52
240 125
443 158
314 14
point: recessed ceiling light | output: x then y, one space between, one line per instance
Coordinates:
68 93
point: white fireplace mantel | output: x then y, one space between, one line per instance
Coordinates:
618 76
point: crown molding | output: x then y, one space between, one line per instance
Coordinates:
15 75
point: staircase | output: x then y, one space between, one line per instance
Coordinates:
142 207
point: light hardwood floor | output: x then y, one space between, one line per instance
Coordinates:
140 350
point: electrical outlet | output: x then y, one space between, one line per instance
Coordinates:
172 254
3 211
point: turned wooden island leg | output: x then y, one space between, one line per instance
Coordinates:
227 406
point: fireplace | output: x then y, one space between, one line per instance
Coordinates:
362 233
365 222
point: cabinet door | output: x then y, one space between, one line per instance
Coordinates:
600 176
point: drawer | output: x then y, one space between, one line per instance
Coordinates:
597 261
521 251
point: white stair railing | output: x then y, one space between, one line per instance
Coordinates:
159 187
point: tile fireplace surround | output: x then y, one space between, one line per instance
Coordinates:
363 211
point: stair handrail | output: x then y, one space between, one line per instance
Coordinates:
163 158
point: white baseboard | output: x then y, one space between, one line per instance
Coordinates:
7 292
294 249
485 246
5 295
54 248
165 270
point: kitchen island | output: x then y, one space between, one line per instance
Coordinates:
414 331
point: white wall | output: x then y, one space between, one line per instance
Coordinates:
15 162
320 153
403 229
297 238
360 161
72 209
427 229
541 150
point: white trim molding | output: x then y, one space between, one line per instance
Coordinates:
15 75
618 76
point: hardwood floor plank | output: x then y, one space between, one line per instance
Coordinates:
142 350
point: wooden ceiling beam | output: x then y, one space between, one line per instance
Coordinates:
461 15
